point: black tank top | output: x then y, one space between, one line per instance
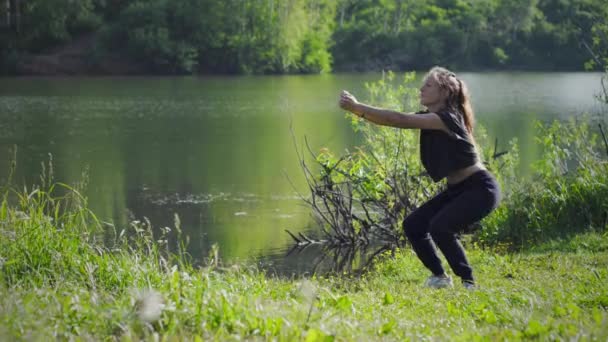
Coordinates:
441 153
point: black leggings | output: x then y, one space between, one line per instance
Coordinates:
447 214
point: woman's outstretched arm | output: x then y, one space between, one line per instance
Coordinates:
391 118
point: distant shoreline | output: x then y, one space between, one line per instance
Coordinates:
77 58
56 65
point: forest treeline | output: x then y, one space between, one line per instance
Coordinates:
310 36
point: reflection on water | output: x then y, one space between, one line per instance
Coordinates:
243 223
306 260
217 150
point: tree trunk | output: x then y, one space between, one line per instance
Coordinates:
398 14
14 15
8 14
6 21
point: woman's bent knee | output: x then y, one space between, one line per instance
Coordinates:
414 227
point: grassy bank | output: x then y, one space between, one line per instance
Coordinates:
59 280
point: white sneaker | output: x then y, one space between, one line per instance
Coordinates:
469 285
439 282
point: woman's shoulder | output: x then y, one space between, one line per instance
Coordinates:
454 114
453 119
443 113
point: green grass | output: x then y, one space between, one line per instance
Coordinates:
59 281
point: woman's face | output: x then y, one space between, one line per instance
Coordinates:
430 92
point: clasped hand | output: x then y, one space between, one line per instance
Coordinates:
348 102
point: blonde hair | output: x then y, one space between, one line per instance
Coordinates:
458 98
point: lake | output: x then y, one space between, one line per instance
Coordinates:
219 151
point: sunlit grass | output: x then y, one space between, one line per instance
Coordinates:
60 279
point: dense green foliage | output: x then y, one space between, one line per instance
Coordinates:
225 36
537 34
309 36
184 36
567 194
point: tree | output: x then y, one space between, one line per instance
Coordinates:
14 15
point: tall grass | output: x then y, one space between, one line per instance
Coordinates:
59 280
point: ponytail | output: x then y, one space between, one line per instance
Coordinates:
465 108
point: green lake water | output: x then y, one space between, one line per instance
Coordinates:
218 151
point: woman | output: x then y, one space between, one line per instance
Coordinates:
447 150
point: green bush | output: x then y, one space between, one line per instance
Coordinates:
567 193
315 56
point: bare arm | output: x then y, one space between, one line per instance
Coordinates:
391 118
